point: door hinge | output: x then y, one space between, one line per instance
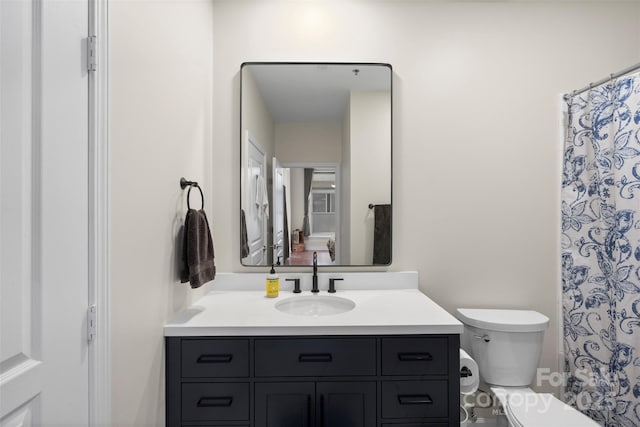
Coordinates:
92 62
91 323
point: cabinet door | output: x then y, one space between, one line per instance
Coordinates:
346 404
285 404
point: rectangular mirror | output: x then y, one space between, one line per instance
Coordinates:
315 163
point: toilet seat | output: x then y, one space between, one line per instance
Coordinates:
525 408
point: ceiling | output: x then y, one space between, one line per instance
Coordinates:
304 92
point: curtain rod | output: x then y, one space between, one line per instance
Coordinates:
628 70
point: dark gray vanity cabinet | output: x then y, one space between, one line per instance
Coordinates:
306 404
308 381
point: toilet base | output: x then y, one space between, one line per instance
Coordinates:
524 407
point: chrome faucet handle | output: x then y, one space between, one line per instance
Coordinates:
332 285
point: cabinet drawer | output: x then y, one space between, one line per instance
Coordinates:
215 401
215 358
417 425
414 356
315 357
414 399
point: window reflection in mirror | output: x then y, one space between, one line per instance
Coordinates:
315 163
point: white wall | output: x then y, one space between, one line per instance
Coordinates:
308 142
344 246
370 132
476 149
161 129
476 153
257 119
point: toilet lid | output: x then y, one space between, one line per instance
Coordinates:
543 410
503 320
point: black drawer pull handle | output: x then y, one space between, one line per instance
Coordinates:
415 399
215 358
210 402
315 357
415 357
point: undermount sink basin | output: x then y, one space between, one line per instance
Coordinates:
315 305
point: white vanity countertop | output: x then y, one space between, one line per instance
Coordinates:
249 312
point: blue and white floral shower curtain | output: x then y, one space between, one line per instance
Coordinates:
601 252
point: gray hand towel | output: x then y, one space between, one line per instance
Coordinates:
198 256
244 240
382 235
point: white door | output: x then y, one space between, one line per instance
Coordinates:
278 212
256 214
44 213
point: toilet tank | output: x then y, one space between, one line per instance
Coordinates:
506 344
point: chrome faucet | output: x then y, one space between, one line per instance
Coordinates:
315 289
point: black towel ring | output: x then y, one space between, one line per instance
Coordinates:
189 193
184 184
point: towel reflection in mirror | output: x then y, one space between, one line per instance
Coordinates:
262 196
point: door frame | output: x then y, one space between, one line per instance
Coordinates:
99 243
245 201
338 195
277 203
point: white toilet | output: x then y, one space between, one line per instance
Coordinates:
506 345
